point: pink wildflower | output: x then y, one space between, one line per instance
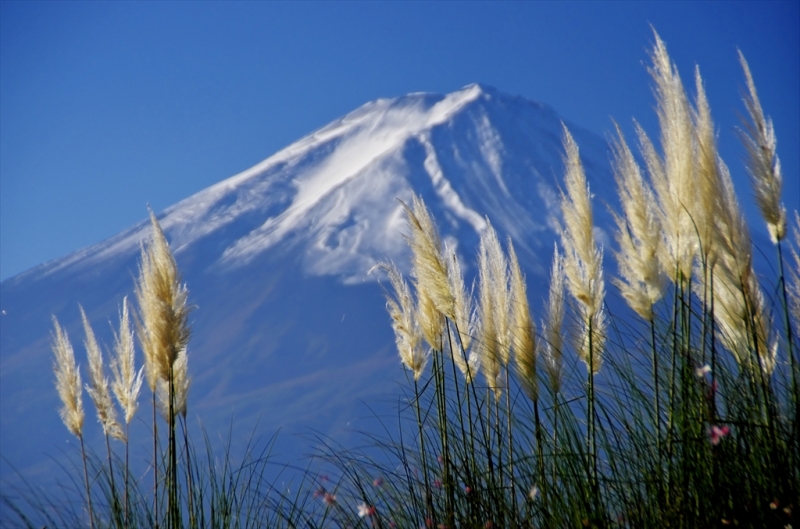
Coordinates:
377 482
717 433
437 483
329 498
467 489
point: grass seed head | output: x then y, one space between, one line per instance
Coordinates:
583 260
673 176
464 317
127 382
98 384
429 266
641 279
407 331
763 164
164 312
523 330
551 345
68 381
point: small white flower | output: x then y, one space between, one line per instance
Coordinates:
702 371
534 493
365 510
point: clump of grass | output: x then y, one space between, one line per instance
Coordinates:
686 417
187 490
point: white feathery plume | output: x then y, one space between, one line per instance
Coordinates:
673 176
740 308
641 279
98 385
552 344
164 329
429 265
68 381
498 279
489 342
794 287
181 381
763 164
127 382
522 329
464 318
583 260
407 332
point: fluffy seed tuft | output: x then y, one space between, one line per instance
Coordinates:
68 381
98 385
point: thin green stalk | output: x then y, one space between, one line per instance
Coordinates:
793 364
428 498
174 514
656 396
540 454
114 497
86 478
127 474
155 465
591 441
441 400
511 451
470 471
189 477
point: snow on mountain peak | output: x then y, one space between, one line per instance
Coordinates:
470 153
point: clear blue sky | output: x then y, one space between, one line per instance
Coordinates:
108 106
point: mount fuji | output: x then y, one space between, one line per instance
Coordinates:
290 331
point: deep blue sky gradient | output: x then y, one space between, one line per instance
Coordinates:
106 107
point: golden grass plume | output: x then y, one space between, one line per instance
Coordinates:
98 384
126 383
763 164
641 280
522 330
68 381
164 312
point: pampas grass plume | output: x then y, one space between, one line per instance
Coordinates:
552 344
763 164
582 259
181 382
407 332
488 328
464 318
429 266
98 384
127 382
164 329
794 289
673 176
68 381
638 234
523 330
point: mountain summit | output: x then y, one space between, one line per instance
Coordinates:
290 331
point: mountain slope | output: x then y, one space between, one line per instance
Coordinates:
290 331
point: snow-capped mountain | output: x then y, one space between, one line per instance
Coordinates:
289 330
